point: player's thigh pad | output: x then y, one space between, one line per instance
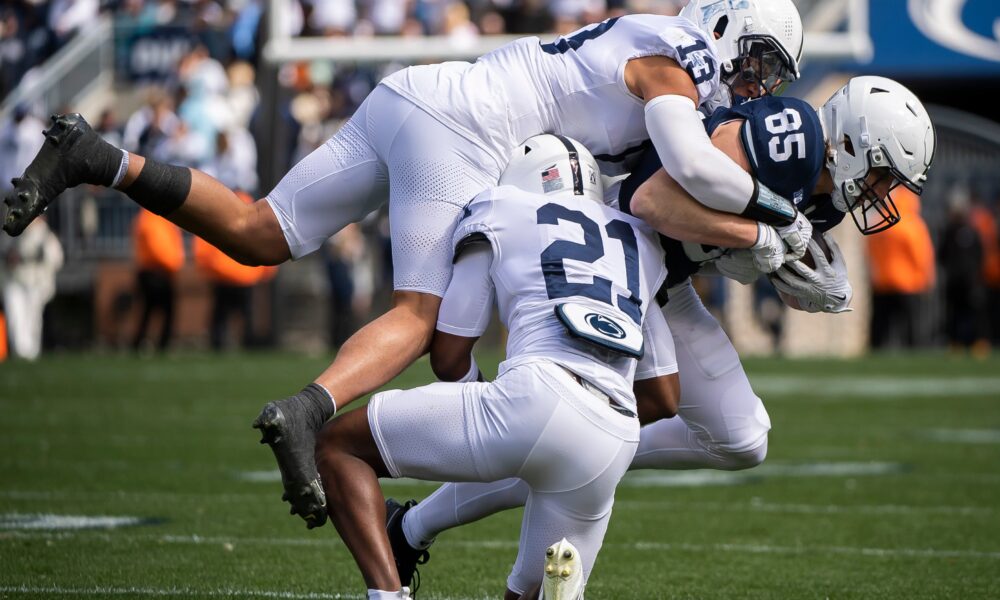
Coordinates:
555 509
338 183
528 423
716 401
433 174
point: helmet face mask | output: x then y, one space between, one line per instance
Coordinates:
763 63
759 43
870 202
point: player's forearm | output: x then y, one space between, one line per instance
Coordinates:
670 209
464 315
688 155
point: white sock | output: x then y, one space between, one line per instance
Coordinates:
403 594
122 169
455 504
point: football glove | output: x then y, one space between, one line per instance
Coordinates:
768 252
823 289
738 265
797 237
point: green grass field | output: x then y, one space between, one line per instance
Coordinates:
882 482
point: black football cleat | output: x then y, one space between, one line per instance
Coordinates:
72 154
293 442
407 557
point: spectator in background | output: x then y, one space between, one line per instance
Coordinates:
13 51
526 16
232 288
769 310
107 126
67 17
387 17
20 140
148 128
159 255
901 262
28 275
349 272
570 15
961 258
985 223
330 17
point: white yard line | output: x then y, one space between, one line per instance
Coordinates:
102 591
808 509
964 436
512 543
844 388
171 592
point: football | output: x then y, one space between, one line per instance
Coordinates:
808 261
817 237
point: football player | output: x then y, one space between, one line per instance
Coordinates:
872 135
429 138
572 279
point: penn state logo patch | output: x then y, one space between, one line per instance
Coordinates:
605 325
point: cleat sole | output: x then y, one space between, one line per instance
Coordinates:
307 499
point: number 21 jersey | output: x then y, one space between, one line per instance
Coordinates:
551 250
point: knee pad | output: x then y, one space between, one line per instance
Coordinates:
747 459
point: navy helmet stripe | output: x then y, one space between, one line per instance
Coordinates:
574 164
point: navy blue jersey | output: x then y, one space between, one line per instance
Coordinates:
783 141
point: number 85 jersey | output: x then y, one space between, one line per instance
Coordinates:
553 252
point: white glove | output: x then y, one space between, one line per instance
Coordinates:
797 236
768 251
738 265
825 288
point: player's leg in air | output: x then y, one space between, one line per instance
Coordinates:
388 143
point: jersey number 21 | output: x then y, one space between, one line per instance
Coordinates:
591 250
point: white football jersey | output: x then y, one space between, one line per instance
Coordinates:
550 251
573 86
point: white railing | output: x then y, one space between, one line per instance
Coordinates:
822 44
83 64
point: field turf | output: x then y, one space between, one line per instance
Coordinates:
882 482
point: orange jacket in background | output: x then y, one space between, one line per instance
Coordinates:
219 268
901 258
158 243
984 223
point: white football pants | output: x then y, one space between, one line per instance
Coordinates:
527 425
721 424
389 150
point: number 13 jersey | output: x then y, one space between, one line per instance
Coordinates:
549 251
574 86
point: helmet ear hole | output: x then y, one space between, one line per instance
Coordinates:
720 26
848 145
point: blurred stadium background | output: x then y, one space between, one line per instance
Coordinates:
244 88
881 480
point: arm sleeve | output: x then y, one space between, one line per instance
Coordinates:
660 357
690 158
468 302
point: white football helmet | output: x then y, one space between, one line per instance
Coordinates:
874 122
758 40
554 165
